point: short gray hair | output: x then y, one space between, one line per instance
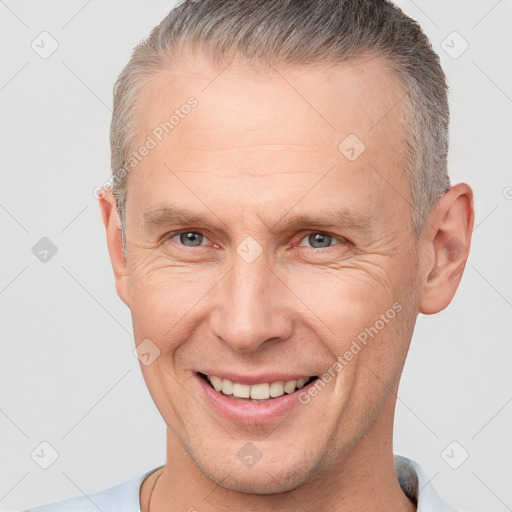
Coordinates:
301 33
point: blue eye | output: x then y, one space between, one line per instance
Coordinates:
316 240
319 240
189 238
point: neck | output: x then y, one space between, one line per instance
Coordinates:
361 481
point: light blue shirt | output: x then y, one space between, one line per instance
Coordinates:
125 496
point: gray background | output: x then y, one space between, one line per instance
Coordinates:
68 375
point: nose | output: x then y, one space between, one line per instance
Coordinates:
250 306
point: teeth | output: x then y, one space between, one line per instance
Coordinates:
262 391
216 382
301 382
290 386
276 389
227 387
241 390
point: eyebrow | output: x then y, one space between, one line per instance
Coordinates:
154 217
334 218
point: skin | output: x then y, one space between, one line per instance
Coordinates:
257 147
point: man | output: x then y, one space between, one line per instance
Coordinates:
280 214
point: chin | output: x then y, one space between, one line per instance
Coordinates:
274 474
263 480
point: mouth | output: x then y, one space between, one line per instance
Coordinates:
255 393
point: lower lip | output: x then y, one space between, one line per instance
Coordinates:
254 412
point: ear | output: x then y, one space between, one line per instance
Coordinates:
447 241
112 224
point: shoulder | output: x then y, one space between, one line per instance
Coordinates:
417 486
122 497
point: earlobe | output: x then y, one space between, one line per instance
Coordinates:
112 225
450 228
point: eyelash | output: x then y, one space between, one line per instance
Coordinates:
341 240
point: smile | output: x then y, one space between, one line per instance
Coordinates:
259 392
248 399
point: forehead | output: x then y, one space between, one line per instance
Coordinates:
287 127
360 96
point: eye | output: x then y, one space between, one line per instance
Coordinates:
319 240
188 238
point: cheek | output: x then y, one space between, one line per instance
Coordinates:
353 293
360 313
166 301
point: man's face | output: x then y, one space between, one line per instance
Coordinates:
254 296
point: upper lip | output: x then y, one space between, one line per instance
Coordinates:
252 379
